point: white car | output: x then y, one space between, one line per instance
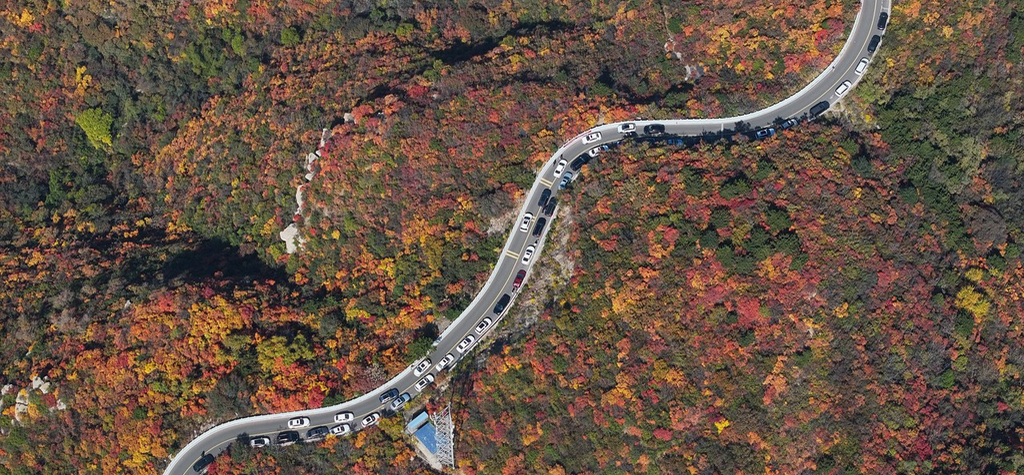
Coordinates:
528 253
845 86
486 322
371 419
594 151
861 66
298 422
592 137
420 368
424 382
344 417
465 343
259 441
447 360
628 127
340 430
560 166
525 226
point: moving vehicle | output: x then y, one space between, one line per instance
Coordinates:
592 137
317 433
654 129
447 360
371 419
873 44
566 178
287 437
560 166
259 441
340 430
544 197
298 422
627 127
861 66
788 124
424 382
344 417
528 253
764 133
845 86
539 227
202 463
400 401
420 368
482 326
465 343
525 225
883 19
577 163
819 108
502 303
391 394
519 279
550 208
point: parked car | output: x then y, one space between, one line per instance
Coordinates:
518 282
788 124
764 133
202 463
502 303
592 137
298 422
525 225
675 142
341 429
424 382
483 325
592 153
371 419
400 401
654 129
845 86
627 127
819 108
560 166
344 417
317 433
578 163
447 360
421 367
550 208
539 227
391 394
465 343
873 44
544 197
861 66
259 441
566 178
883 19
287 437
528 253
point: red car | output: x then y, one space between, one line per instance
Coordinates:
519 280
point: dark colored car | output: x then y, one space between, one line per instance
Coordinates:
287 437
539 227
544 196
502 303
391 394
819 108
882 20
654 129
873 44
317 432
519 279
550 208
202 463
578 162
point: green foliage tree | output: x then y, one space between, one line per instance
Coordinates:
96 125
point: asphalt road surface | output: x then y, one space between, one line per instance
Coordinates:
798 106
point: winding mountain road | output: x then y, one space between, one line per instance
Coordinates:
200 451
